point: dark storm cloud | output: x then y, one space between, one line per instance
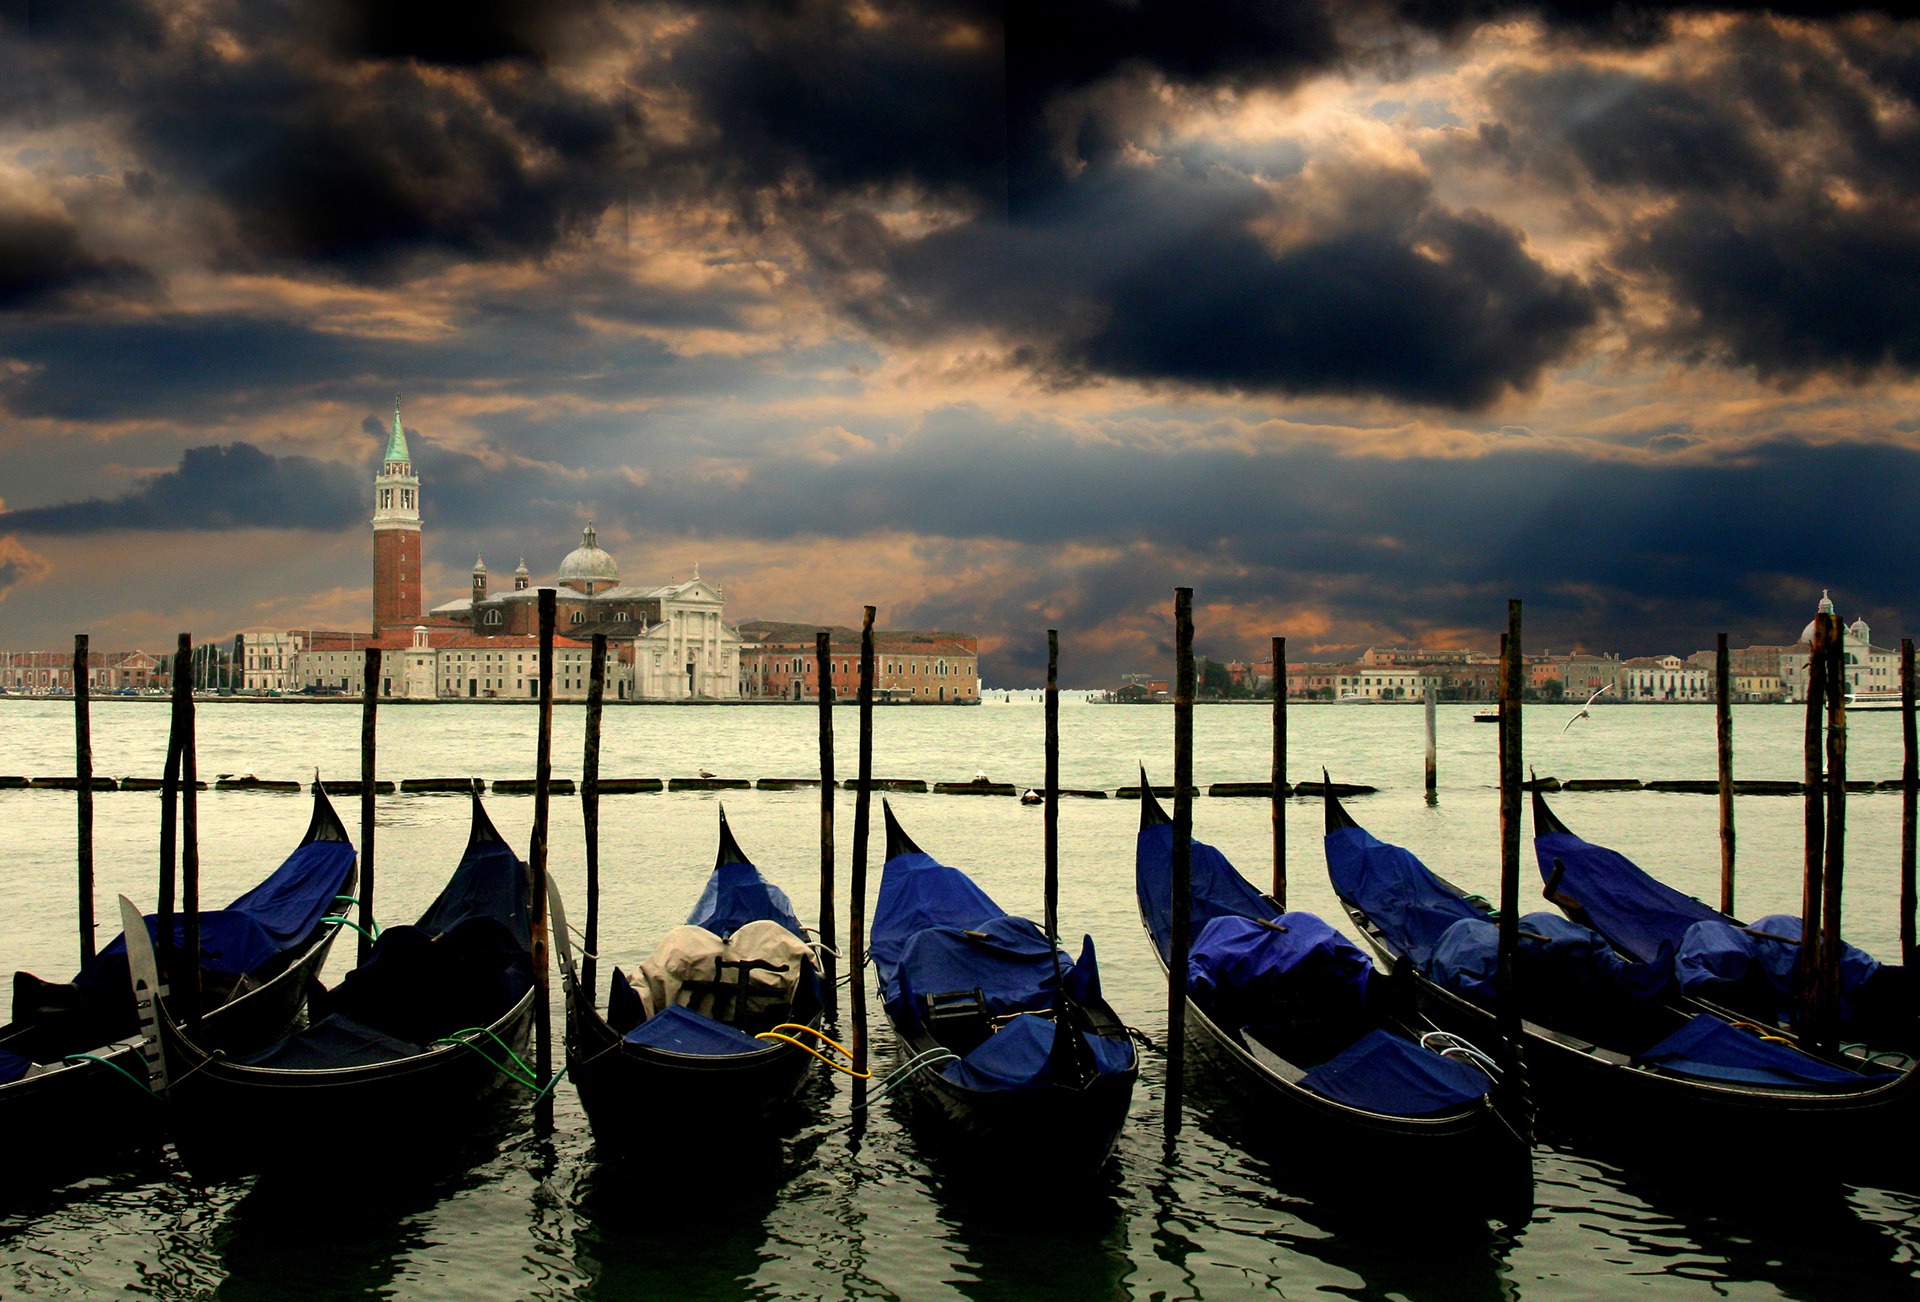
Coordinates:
1390 293
1762 260
236 486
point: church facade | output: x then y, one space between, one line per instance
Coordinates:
672 641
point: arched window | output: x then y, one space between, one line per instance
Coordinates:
579 616
493 617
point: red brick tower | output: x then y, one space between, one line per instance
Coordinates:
396 535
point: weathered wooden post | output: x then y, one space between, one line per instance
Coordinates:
186 985
169 812
83 779
590 811
857 884
369 706
1814 826
1723 734
829 961
1182 874
537 864
1512 692
1909 805
1051 821
1432 701
1834 871
1277 789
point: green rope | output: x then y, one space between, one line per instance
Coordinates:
94 1057
525 1076
349 922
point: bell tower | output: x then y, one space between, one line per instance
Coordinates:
396 535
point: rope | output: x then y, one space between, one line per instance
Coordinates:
777 1033
1453 1044
349 922
925 1058
94 1057
583 942
526 1075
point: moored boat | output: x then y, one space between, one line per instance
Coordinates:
407 1047
977 999
717 1032
72 1079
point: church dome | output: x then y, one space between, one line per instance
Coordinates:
588 567
1826 608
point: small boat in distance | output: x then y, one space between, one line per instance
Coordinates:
1873 702
1487 716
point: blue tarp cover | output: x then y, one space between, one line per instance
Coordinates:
336 1041
1717 955
1008 958
678 1029
917 891
1016 1057
737 894
1396 891
1556 959
1642 917
491 882
1241 968
1381 1072
12 1067
1710 1049
1219 891
272 917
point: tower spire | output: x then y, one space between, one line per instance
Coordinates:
397 441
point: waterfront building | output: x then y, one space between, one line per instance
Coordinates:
270 660
778 662
1380 682
426 663
1664 678
29 672
1869 668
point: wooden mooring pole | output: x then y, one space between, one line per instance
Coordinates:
83 779
369 708
829 960
1723 737
857 877
537 865
590 812
1182 884
1909 806
1277 792
186 985
1051 820
1834 869
1432 702
1511 786
1814 825
182 668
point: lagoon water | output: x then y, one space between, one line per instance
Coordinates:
861 1213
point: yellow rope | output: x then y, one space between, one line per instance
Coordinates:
817 1033
807 1048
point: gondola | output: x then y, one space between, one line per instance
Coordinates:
975 997
716 1031
402 1052
1718 961
1605 1045
71 1074
1299 1026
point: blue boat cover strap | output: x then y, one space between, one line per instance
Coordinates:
1559 964
737 894
1007 959
12 1067
1640 916
1219 891
1018 1057
1381 1072
678 1029
1709 1048
1397 892
1756 965
1243 970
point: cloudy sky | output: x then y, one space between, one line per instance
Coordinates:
1359 316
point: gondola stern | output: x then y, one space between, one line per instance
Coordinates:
1151 812
482 829
729 850
326 824
1545 822
1338 819
898 842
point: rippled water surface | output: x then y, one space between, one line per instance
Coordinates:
858 1211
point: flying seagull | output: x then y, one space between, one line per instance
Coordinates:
1583 709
